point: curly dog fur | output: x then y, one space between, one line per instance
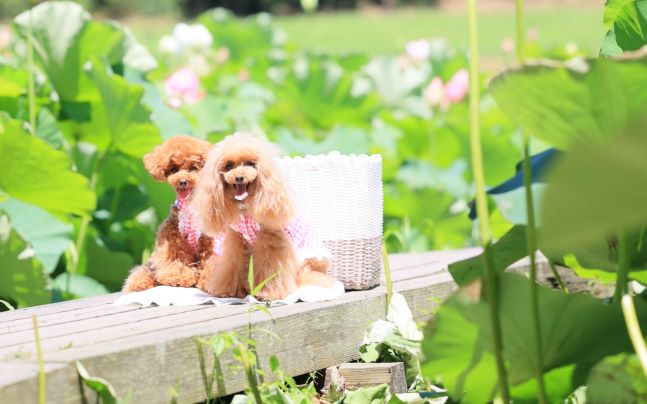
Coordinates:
174 262
241 175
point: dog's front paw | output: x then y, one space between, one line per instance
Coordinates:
176 274
224 291
140 278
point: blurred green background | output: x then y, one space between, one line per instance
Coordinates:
368 26
352 77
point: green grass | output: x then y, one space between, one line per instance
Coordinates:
377 32
381 32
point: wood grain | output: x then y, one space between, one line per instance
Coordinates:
146 352
358 375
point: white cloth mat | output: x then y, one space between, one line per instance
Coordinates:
176 296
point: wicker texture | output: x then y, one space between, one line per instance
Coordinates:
342 199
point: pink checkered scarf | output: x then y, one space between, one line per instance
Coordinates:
186 224
306 242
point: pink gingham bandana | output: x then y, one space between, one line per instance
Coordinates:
305 240
186 224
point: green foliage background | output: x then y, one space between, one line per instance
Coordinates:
82 101
79 210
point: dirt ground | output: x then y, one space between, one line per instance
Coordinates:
574 283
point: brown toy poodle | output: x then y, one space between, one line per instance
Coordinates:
241 200
181 250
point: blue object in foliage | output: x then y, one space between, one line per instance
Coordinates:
538 165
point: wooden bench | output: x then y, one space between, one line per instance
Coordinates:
148 351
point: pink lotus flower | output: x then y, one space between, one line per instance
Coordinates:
243 74
222 55
443 95
507 45
457 86
183 86
435 92
532 34
5 36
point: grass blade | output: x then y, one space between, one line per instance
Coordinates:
250 274
7 305
207 380
387 274
41 365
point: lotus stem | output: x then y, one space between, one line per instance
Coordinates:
633 328
560 282
622 275
521 32
491 277
531 237
31 87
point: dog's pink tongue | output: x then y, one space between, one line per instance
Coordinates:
183 194
241 192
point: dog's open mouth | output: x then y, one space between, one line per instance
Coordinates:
241 191
183 193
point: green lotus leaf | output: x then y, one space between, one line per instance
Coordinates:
21 277
458 345
35 173
582 100
593 193
120 117
626 22
47 235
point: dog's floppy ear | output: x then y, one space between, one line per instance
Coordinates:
209 197
155 163
272 204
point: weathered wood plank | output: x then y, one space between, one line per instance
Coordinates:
412 265
309 340
64 317
357 375
151 350
148 320
58 307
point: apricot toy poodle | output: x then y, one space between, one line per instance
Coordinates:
241 200
181 250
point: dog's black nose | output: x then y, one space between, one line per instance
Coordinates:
184 183
240 178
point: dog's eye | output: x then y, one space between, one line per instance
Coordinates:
229 166
174 169
194 168
251 164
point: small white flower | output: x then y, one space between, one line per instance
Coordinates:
578 64
201 35
571 48
170 45
418 50
195 36
182 32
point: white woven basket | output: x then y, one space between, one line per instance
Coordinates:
342 198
